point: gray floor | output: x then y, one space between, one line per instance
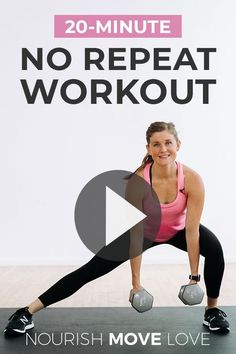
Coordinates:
180 329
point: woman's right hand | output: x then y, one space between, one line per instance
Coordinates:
136 288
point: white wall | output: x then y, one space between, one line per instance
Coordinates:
49 152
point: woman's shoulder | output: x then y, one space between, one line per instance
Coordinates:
143 170
192 178
140 171
189 172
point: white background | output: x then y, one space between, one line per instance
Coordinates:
49 152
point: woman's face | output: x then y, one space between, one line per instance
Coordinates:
163 147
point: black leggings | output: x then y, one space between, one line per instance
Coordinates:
210 248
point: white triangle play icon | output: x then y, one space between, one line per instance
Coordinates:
120 215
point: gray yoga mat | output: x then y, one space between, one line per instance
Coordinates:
120 330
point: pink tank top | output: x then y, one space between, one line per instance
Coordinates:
173 214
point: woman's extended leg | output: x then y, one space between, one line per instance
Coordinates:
72 282
101 264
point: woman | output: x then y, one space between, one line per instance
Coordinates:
181 194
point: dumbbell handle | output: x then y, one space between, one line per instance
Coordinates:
191 294
141 300
132 292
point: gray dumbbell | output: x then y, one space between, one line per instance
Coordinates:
141 300
191 294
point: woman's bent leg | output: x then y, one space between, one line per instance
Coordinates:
211 249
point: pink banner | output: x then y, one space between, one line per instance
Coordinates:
117 26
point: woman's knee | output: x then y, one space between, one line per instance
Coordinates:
210 246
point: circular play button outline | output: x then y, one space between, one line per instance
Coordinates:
117 215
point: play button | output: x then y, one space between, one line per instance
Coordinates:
117 215
128 215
